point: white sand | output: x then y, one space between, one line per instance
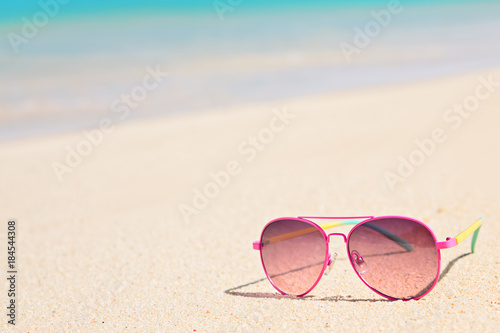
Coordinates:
108 250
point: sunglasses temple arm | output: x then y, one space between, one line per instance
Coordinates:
400 241
346 221
472 230
350 221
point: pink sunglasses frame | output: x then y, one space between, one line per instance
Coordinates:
449 243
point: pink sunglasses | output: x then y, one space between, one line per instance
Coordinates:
397 257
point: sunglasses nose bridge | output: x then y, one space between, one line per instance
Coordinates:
337 234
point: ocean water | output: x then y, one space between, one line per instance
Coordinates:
66 74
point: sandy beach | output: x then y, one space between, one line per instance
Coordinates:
122 242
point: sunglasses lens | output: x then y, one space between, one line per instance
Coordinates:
395 256
293 253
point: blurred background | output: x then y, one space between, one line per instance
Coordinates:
63 63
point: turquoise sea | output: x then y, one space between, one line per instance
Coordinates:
62 64
11 10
